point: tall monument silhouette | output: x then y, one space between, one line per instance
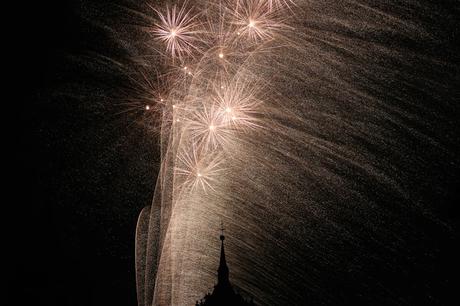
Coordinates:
223 293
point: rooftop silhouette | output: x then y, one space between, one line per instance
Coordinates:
223 293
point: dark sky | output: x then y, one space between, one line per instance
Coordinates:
82 173
79 190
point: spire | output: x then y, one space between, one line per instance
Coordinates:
222 272
223 293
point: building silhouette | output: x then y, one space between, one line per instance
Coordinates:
223 293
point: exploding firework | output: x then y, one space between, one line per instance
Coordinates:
179 30
258 19
200 170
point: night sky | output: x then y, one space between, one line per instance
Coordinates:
88 172
86 169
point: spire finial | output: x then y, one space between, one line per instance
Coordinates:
222 237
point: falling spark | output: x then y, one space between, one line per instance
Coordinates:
280 4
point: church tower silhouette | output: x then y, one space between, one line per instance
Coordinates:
223 293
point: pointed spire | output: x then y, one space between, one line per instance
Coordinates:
223 293
222 272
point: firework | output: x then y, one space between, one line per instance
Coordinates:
238 105
197 170
212 101
179 30
258 19
207 128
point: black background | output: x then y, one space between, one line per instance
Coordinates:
77 191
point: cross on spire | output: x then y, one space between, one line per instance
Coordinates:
222 229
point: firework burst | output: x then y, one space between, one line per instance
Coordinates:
196 170
179 30
258 19
239 106
208 129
